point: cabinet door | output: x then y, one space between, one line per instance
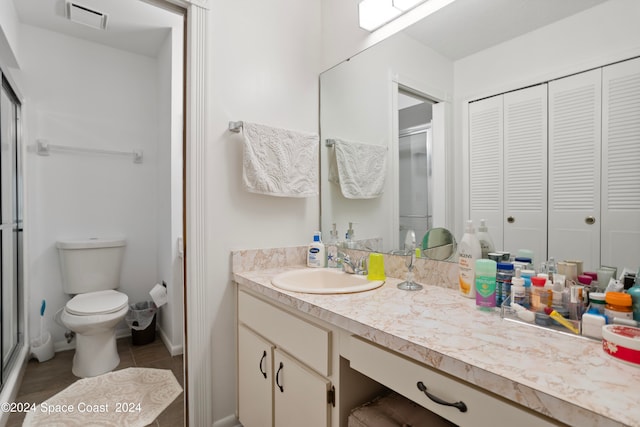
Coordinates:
300 395
255 379
621 165
525 171
574 168
485 165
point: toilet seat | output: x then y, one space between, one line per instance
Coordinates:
100 302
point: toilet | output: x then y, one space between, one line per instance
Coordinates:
91 272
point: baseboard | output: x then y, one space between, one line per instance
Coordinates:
174 350
230 421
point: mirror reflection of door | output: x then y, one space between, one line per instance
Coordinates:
415 149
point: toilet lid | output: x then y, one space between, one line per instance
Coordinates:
100 302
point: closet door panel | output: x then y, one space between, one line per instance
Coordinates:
525 171
621 165
485 165
574 168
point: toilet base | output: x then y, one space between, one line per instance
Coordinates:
95 354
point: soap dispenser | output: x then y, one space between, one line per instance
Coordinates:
349 237
333 259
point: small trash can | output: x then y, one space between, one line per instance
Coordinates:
141 318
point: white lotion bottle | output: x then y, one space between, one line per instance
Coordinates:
486 243
469 251
316 253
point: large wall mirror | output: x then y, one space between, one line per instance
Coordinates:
393 95
423 78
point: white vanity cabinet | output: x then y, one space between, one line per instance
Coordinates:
283 368
289 365
450 398
255 379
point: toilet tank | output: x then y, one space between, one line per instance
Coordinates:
91 264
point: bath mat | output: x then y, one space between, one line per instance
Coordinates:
131 397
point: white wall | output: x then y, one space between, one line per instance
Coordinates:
357 106
603 34
88 95
9 25
169 188
264 68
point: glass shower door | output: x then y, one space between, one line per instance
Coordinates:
415 182
10 228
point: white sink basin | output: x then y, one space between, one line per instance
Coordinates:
323 281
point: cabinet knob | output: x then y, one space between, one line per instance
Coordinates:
590 220
511 220
460 405
264 357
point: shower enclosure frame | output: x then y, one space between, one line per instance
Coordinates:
12 307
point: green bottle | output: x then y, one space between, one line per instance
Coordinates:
634 291
485 284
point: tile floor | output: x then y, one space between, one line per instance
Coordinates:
43 380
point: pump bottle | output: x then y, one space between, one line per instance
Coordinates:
469 251
486 243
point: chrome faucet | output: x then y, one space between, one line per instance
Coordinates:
358 266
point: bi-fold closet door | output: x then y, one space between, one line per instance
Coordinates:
594 184
620 200
575 110
508 168
578 199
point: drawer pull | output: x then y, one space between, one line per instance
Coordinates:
460 405
264 356
278 378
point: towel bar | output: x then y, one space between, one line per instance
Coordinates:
235 126
43 148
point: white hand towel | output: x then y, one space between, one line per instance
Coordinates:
280 162
359 169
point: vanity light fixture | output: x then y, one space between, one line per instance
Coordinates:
373 14
405 5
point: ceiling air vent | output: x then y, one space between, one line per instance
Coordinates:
85 16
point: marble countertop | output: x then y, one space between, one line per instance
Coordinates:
568 378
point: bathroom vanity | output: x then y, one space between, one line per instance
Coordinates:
310 359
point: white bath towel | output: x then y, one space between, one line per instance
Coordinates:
359 169
280 162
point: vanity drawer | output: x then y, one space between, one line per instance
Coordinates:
307 342
402 375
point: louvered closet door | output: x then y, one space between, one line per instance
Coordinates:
574 168
485 165
525 169
621 165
